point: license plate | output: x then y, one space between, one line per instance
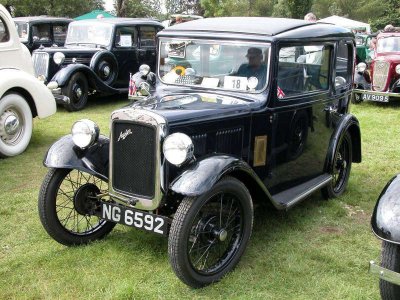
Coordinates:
378 98
134 218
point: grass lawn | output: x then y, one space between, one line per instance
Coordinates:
318 250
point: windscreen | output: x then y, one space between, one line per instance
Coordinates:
389 44
95 33
22 29
211 64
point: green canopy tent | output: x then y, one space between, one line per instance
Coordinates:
94 14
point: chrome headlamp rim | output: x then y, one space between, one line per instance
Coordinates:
58 58
144 69
397 69
361 67
178 148
85 133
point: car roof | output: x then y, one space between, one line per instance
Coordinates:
41 18
119 21
258 26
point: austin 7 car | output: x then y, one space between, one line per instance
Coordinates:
244 111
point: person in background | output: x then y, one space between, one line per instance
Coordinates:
310 17
178 20
255 67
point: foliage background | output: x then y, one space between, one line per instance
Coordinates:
376 12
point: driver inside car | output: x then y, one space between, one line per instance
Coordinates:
255 67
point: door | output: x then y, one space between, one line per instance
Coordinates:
125 49
301 127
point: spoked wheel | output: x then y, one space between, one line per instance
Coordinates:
391 261
67 204
209 233
78 91
340 168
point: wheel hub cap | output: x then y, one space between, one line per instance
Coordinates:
78 92
106 71
10 126
222 235
83 201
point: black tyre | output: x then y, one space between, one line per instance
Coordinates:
77 90
66 205
340 168
209 233
391 261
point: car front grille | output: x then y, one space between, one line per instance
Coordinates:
134 158
380 76
41 63
137 172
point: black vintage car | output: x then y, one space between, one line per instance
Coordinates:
45 31
244 110
98 56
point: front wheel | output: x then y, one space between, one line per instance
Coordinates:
67 203
340 168
209 233
391 261
77 90
15 125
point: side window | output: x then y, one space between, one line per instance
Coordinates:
4 34
60 33
343 61
41 32
302 69
126 37
147 36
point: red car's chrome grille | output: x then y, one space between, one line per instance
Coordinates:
380 76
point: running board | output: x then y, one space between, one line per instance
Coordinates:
291 197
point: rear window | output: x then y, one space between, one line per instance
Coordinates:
4 34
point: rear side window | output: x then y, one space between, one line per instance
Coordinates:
147 36
60 33
302 69
41 32
343 61
4 33
126 37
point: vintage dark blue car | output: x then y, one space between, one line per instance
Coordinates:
244 110
98 57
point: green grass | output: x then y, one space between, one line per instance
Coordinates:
318 250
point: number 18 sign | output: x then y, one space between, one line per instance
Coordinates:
235 83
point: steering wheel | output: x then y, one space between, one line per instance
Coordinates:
180 70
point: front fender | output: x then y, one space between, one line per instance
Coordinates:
63 76
395 86
17 80
94 160
203 174
347 123
385 221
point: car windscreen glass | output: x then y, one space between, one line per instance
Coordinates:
213 64
23 31
89 33
389 44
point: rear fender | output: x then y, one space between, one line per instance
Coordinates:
347 123
66 155
385 221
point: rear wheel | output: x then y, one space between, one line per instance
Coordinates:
340 168
391 261
67 203
209 233
77 90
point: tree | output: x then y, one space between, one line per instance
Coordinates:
140 9
295 9
71 8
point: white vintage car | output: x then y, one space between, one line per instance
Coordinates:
22 96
